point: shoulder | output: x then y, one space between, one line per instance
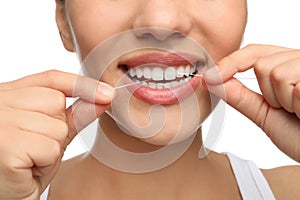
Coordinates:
284 182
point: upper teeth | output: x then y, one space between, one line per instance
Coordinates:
160 73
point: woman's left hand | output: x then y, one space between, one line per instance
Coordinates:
277 109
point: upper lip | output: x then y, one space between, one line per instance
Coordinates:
161 59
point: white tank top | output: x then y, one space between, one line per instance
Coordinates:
251 181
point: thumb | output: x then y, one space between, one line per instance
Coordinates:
246 101
81 114
94 98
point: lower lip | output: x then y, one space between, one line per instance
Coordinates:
164 96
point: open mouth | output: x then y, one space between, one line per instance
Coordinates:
157 77
162 78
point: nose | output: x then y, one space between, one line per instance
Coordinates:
162 19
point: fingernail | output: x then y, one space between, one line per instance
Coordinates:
213 74
106 90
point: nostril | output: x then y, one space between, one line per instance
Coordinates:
157 33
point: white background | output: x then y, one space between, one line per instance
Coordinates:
30 43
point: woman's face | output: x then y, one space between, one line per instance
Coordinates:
216 25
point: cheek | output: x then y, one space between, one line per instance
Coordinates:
221 27
94 22
227 37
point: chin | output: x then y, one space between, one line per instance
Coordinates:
167 138
161 124
168 126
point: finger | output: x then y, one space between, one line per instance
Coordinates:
26 151
71 85
81 114
50 171
284 78
41 151
36 123
43 154
239 61
296 99
253 106
38 99
246 101
264 69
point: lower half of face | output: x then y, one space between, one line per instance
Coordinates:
155 105
160 97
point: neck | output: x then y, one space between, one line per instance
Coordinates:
122 152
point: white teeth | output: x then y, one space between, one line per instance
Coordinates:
139 73
132 73
144 83
180 72
159 85
152 85
167 85
170 74
174 83
194 69
157 74
147 73
187 70
160 78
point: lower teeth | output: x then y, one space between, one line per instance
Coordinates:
162 85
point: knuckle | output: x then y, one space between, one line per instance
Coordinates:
252 46
48 76
10 163
60 99
276 76
9 169
55 148
260 67
63 129
262 115
242 97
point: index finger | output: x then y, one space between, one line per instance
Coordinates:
239 61
72 85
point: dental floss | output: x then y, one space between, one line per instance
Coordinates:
200 75
122 86
239 78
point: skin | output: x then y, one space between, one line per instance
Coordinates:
25 171
85 21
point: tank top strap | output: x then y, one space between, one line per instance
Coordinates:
251 181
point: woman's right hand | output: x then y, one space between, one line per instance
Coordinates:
36 127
